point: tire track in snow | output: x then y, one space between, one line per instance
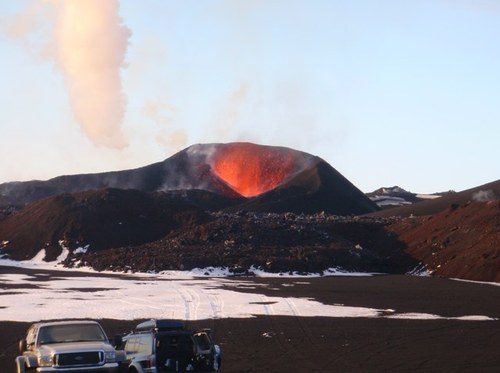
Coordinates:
194 299
140 302
287 345
214 301
187 306
298 318
267 305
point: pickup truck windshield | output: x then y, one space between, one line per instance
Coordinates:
70 333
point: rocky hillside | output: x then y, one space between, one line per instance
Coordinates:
275 242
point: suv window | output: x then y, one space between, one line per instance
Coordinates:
130 345
202 341
175 345
145 344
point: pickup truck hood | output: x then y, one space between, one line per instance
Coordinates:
58 348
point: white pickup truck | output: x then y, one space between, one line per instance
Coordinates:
67 346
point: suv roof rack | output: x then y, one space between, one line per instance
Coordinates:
160 325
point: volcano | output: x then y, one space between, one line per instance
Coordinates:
242 205
216 176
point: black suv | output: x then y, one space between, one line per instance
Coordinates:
158 346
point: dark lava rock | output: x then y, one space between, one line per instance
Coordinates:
273 242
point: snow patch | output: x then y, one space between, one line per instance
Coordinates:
389 201
428 196
81 250
477 282
428 316
173 294
420 270
151 296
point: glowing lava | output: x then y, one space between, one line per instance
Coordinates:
252 169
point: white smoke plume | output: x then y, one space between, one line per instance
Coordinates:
227 118
87 41
483 196
90 42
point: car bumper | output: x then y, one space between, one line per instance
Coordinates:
106 368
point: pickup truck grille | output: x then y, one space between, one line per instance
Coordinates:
79 358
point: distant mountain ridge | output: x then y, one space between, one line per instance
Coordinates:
388 197
482 193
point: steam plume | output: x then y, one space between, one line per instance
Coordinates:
90 46
483 196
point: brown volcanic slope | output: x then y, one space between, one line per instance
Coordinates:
104 218
247 173
462 241
457 235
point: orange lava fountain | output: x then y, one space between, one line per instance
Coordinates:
252 169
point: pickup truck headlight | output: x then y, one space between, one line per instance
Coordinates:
45 360
110 356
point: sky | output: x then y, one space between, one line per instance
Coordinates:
388 92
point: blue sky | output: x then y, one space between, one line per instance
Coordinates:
388 92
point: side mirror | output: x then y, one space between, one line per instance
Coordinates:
118 340
120 356
22 345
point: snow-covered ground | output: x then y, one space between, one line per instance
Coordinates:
179 295
389 201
